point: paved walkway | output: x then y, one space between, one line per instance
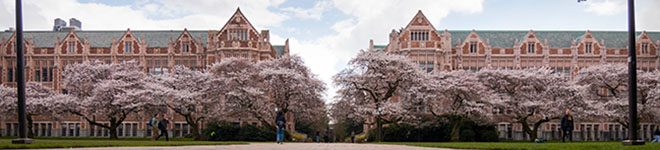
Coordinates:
272 146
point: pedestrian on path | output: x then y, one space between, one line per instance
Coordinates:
280 121
162 125
352 136
318 137
567 126
153 123
657 135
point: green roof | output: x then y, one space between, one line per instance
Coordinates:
556 39
279 49
104 38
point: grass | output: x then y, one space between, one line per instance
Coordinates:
553 145
5 143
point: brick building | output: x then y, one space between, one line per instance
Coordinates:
47 53
564 52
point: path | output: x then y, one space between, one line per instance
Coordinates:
272 146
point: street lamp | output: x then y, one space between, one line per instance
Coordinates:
632 77
20 77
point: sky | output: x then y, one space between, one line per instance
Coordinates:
328 33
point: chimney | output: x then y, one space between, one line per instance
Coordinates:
75 23
59 24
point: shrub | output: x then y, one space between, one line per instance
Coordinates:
225 131
435 132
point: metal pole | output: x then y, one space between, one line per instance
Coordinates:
632 78
20 79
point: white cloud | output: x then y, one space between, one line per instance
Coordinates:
607 7
168 14
315 12
648 16
368 20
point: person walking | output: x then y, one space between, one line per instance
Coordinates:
162 125
153 123
656 134
352 136
280 121
567 126
318 137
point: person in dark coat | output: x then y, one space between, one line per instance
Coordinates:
353 137
656 134
318 137
162 125
280 121
567 126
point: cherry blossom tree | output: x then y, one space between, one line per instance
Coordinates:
293 87
112 91
38 102
239 89
608 85
533 95
374 84
457 95
186 93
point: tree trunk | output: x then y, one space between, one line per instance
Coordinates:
379 130
192 122
113 133
457 122
29 127
527 129
533 133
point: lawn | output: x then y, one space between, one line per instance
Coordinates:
531 146
5 143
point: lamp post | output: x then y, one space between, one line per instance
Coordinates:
20 79
632 78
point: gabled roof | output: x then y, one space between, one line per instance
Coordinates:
239 14
556 39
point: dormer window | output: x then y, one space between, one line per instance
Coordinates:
72 47
186 47
587 47
473 47
645 48
128 47
531 49
419 35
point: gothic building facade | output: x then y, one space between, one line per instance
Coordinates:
565 52
47 53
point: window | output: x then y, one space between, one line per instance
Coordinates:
77 129
120 130
157 66
587 47
128 47
8 129
92 130
238 34
50 129
135 129
43 71
645 48
186 47
419 35
128 129
473 47
71 127
177 130
531 48
72 47
148 128
63 126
